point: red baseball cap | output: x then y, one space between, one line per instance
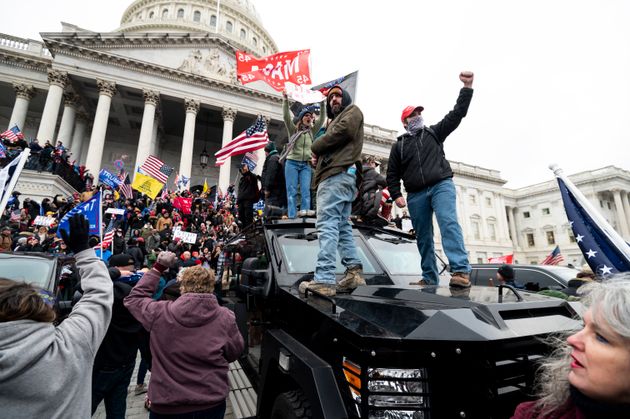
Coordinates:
408 111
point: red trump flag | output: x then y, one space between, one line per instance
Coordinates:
276 69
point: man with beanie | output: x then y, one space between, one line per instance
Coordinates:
337 154
248 194
301 132
273 179
506 276
418 159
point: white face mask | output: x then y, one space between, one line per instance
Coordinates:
415 124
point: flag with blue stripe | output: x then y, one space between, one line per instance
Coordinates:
91 209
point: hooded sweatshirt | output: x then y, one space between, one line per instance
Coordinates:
46 371
192 341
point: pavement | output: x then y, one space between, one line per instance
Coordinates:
135 404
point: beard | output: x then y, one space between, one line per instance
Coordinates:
336 109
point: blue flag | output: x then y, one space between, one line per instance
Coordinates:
604 250
109 179
91 209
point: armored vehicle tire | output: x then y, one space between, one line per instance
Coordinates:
291 405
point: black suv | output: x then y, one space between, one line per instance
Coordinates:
532 277
51 273
388 349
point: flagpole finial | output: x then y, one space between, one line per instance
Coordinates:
557 170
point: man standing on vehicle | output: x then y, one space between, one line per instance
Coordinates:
418 159
337 155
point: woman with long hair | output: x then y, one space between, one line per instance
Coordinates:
588 375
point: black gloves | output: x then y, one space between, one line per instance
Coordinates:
77 240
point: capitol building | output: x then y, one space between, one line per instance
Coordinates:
164 83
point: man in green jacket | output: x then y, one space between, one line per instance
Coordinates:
298 154
338 163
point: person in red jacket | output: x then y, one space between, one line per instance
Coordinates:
193 340
588 376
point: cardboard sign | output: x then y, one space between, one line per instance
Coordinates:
185 236
41 220
116 211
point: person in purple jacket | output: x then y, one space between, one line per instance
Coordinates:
193 340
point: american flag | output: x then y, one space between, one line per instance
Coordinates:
12 134
108 236
125 186
605 250
157 169
3 151
554 258
252 139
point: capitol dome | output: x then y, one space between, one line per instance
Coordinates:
238 21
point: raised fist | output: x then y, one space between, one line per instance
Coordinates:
467 78
167 259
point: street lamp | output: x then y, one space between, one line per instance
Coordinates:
203 158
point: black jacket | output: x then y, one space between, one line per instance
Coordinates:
273 176
248 187
419 159
138 256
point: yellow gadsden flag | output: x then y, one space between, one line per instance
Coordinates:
147 185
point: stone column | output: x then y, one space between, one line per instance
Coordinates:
70 102
621 215
185 162
107 89
626 204
24 93
151 99
502 220
58 81
229 115
154 134
78 135
515 241
461 212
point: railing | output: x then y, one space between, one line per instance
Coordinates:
23 44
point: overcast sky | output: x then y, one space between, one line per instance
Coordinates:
552 78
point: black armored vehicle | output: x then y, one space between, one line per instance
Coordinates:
388 349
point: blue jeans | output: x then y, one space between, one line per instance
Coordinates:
334 203
439 198
294 172
112 385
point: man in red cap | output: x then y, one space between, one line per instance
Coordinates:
338 158
418 159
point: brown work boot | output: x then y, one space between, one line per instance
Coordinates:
459 280
320 287
351 280
422 283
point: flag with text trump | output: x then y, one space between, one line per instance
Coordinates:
605 251
252 139
276 69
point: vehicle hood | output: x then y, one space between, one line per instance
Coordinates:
442 313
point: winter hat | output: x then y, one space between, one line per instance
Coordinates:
122 259
507 272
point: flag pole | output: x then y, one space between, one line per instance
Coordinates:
606 228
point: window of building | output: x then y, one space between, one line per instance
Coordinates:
180 13
197 16
530 240
165 13
571 237
255 42
492 229
475 228
213 20
243 34
601 203
482 257
526 214
264 48
488 202
139 16
472 199
229 26
608 203
546 211
551 239
151 15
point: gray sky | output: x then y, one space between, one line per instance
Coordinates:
551 77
